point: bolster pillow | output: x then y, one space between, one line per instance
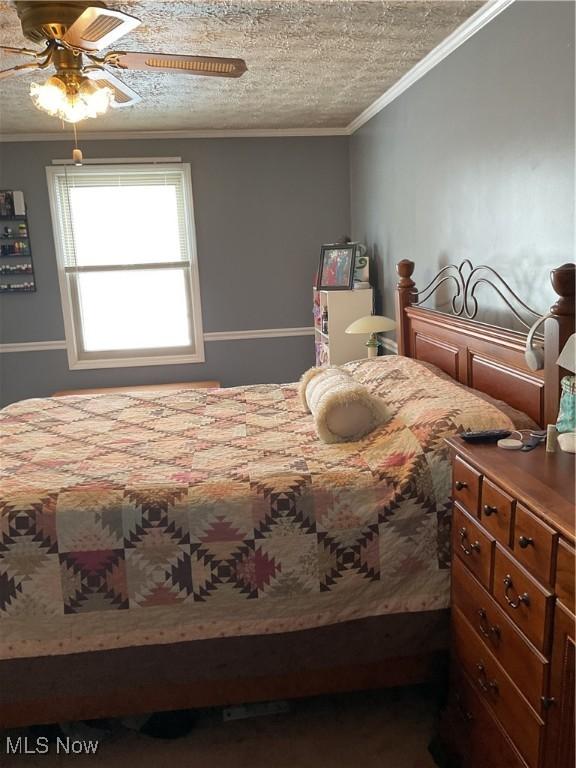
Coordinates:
343 409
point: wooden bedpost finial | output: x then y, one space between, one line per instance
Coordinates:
405 268
562 279
405 294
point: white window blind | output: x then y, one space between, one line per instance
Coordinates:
128 273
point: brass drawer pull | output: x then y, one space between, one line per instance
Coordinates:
491 631
488 686
514 602
459 485
465 545
525 541
489 510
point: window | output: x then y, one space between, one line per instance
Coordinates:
126 254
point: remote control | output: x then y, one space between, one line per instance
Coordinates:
485 436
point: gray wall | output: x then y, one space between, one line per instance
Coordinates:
262 209
476 160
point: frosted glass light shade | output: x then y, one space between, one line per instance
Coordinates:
76 99
567 358
371 324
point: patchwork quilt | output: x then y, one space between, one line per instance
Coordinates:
161 517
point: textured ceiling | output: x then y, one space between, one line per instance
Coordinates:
311 64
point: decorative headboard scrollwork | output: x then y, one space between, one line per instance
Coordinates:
466 278
481 355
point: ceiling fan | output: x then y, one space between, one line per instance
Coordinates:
73 34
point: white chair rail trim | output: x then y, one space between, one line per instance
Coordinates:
261 333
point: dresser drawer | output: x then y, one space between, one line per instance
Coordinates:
472 545
534 544
494 686
524 600
565 575
496 511
527 668
472 731
466 483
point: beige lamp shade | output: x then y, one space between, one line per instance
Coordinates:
567 358
371 324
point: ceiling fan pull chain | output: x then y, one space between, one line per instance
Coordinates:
76 152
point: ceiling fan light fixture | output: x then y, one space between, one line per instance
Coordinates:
96 98
74 32
71 98
49 96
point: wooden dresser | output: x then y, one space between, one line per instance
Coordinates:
511 699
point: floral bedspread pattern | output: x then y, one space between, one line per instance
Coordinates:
159 517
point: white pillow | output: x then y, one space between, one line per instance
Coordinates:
343 409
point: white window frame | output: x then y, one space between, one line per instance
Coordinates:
77 360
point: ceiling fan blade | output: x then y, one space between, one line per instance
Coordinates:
97 28
212 66
22 51
19 69
123 95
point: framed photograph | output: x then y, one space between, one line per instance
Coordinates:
336 269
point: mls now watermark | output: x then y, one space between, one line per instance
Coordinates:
25 745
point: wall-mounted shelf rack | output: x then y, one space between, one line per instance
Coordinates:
15 245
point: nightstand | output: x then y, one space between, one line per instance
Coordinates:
511 698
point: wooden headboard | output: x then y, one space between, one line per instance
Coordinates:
483 356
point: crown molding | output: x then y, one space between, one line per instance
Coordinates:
261 333
240 133
464 32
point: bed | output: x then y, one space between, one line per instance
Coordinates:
198 548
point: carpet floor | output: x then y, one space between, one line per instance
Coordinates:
381 729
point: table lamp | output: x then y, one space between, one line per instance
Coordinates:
567 414
372 325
